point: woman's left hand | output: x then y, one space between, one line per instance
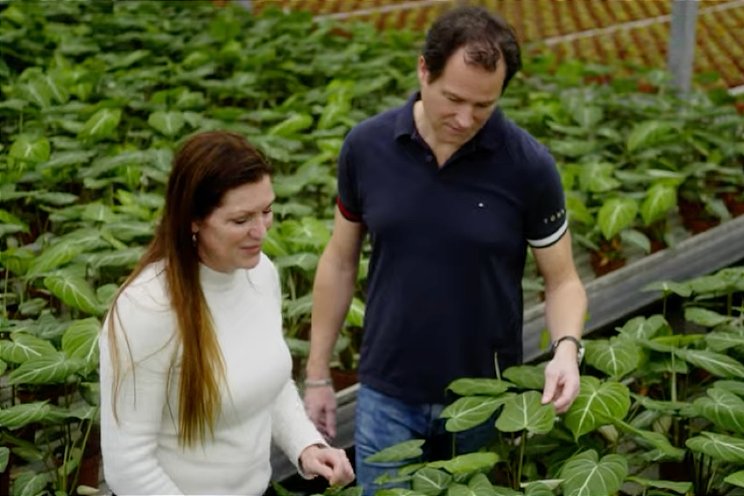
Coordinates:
330 463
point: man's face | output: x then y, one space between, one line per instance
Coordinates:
460 101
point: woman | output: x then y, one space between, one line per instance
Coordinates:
195 373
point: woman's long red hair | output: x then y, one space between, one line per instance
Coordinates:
207 166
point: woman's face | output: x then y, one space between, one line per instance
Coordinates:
231 236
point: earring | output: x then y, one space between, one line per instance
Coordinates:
193 239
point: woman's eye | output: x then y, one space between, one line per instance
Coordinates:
267 211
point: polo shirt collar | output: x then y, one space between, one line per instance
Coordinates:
488 137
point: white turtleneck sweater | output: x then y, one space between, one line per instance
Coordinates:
141 454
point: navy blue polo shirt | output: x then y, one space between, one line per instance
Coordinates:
444 296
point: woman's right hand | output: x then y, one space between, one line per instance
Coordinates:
330 463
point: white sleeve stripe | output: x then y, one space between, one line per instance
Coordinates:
541 243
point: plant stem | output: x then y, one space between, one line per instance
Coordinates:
520 462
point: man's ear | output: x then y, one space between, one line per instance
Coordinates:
422 70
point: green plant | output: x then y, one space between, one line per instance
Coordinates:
652 398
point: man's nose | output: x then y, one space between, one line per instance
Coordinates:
464 117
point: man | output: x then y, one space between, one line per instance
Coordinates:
452 193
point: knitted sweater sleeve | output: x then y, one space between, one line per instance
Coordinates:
291 429
144 338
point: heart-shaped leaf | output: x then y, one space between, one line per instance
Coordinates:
49 369
398 452
718 446
168 123
526 412
479 387
74 291
468 463
526 376
735 479
639 328
101 125
723 408
660 199
717 364
597 404
470 411
430 481
586 475
615 357
615 215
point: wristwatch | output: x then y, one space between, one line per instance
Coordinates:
579 347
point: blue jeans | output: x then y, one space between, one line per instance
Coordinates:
382 421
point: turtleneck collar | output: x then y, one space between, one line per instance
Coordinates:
219 281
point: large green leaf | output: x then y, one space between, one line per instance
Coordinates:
587 116
55 256
24 347
101 125
597 404
15 417
723 408
717 364
398 453
598 177
659 200
168 123
586 475
526 412
293 124
718 446
80 341
125 258
468 463
724 340
305 261
30 483
526 376
49 369
26 149
355 315
470 411
4 458
641 328
736 387
479 386
537 488
647 134
678 487
705 317
573 148
735 479
653 442
75 292
430 481
616 357
615 215
669 287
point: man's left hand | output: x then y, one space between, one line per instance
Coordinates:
561 380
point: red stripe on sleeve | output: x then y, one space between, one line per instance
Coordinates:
346 213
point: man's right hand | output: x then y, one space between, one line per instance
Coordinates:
320 405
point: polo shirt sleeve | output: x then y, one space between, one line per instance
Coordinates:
348 200
547 220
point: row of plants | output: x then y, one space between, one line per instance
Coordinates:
96 96
660 412
718 53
